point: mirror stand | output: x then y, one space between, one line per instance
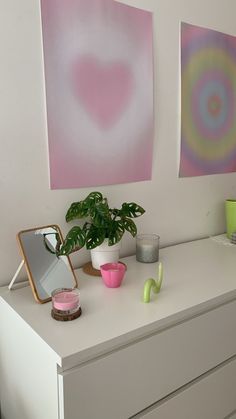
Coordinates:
16 275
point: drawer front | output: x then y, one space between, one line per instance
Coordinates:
212 397
129 380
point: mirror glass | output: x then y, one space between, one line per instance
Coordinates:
45 269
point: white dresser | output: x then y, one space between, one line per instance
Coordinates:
172 358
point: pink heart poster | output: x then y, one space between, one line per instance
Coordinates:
98 57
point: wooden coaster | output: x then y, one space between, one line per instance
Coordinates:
66 317
89 270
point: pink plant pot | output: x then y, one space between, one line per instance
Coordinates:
113 274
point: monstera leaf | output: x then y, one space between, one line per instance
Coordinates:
83 208
100 215
95 237
74 240
77 210
130 226
93 198
132 210
116 232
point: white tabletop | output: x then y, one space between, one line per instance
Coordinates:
197 276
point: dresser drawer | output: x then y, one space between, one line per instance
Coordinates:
212 397
129 380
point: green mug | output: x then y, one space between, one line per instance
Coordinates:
230 214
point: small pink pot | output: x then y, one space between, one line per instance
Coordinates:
113 274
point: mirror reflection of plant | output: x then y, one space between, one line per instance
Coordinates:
102 223
48 244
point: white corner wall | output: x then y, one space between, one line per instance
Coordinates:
177 209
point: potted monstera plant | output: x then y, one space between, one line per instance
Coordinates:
103 227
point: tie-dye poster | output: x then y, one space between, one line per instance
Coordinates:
99 90
208 98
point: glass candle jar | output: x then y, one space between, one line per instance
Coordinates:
147 248
65 304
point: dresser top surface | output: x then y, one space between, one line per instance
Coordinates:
198 276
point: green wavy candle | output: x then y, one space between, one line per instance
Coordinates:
151 284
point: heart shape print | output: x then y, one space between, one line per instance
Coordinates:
103 89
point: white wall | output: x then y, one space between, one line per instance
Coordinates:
177 209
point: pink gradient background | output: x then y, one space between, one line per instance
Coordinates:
99 87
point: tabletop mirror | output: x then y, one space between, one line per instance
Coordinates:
46 270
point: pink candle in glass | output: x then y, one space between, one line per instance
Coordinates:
65 299
65 304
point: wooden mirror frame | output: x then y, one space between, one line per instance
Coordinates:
27 265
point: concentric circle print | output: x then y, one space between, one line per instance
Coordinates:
213 105
208 126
